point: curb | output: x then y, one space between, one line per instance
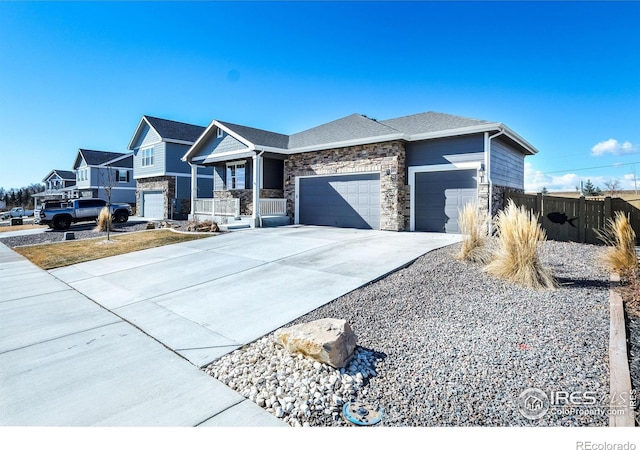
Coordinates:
619 375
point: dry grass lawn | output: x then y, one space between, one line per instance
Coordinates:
20 227
60 254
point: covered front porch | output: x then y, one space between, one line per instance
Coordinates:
228 213
240 182
248 170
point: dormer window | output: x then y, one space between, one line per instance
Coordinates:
220 133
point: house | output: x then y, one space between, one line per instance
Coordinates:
163 180
407 173
97 172
59 184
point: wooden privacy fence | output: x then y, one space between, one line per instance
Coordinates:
575 219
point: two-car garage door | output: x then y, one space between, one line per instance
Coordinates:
353 201
347 201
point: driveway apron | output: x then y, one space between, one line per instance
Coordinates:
206 298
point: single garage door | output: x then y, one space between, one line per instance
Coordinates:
440 195
346 201
153 205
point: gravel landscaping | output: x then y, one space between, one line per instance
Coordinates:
442 343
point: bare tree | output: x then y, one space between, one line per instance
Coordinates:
107 182
613 187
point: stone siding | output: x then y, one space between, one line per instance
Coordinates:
165 184
246 197
498 198
387 158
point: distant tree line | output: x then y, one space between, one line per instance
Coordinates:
20 196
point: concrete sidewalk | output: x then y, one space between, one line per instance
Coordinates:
65 361
119 341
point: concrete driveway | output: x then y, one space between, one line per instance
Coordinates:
205 298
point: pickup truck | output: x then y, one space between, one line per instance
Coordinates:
17 212
82 210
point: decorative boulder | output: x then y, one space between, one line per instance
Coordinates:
329 341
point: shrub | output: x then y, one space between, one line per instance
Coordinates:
105 222
473 225
620 255
516 257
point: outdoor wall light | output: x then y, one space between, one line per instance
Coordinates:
388 172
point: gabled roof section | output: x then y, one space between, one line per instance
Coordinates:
350 128
168 130
429 122
257 136
178 131
96 157
63 174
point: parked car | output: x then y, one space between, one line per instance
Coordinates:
82 210
17 212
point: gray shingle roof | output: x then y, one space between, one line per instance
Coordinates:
66 174
358 127
257 136
431 122
170 129
355 126
97 157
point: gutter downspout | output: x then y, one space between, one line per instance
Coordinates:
256 217
194 189
487 165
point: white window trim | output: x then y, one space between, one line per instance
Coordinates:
150 154
126 175
231 164
220 133
434 168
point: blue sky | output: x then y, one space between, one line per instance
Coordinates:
565 76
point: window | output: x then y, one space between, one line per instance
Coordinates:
93 203
147 157
235 176
123 176
220 133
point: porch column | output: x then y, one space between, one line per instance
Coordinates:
255 216
194 189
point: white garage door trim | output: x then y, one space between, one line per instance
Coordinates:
434 168
297 187
144 202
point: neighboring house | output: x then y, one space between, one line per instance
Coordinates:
164 181
408 173
97 171
59 185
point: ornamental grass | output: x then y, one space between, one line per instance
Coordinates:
516 258
474 226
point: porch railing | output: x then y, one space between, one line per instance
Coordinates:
273 207
231 206
218 206
226 207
